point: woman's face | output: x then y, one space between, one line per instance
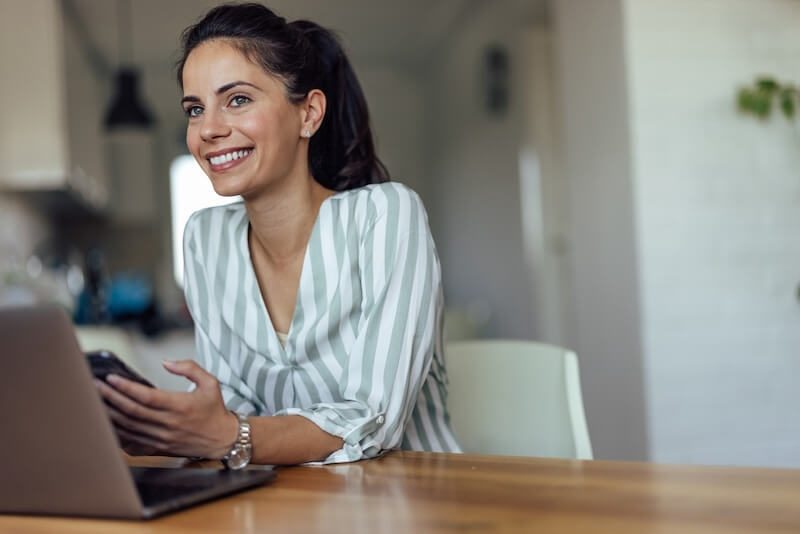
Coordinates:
242 129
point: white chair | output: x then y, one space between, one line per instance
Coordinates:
516 398
459 325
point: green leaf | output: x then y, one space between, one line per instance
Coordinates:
762 103
768 85
745 99
788 104
759 98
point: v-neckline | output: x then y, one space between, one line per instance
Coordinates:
251 269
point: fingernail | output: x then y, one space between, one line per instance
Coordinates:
112 378
168 363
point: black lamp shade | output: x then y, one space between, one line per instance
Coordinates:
127 110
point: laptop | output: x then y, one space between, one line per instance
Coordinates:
59 454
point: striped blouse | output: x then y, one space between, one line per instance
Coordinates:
363 359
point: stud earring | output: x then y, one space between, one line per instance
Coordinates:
307 133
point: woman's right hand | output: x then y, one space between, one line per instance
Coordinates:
127 441
170 423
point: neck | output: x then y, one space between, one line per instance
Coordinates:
281 221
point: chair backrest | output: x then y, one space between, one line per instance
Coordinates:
517 398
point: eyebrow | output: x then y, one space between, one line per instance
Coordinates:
221 90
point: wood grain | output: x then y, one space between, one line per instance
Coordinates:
428 492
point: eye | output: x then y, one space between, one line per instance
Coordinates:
239 100
193 111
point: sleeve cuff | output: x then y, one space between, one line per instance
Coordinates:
355 434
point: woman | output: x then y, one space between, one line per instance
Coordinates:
317 300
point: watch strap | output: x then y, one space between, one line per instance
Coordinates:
243 442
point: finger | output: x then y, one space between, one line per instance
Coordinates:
129 406
142 428
144 395
191 370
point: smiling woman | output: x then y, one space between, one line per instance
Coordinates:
242 129
317 299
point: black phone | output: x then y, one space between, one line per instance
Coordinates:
105 362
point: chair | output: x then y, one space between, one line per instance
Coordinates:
459 325
516 398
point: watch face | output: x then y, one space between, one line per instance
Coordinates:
239 458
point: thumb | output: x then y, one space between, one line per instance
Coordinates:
189 369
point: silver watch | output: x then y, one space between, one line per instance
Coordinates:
241 451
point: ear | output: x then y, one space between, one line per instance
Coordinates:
313 108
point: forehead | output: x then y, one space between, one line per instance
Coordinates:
215 63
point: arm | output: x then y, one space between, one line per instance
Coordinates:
198 423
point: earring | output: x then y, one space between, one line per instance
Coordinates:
307 133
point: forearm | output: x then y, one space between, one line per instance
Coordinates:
290 439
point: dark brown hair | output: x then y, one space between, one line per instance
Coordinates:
304 56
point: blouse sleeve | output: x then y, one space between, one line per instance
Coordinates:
400 279
235 392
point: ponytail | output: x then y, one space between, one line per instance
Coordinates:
342 148
304 56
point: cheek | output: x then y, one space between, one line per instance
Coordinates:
255 128
192 140
273 125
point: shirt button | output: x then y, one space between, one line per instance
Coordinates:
380 419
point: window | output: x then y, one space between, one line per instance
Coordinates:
190 190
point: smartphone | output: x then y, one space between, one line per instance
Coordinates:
105 362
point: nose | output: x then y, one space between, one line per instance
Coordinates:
213 126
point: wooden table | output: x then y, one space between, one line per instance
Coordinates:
426 492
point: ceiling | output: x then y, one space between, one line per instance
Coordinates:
373 30
396 33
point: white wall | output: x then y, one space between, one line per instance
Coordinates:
477 219
717 200
683 220
399 113
604 326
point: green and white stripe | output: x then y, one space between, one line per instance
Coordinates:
363 358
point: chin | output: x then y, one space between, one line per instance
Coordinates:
226 189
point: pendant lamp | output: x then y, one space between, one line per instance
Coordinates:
127 109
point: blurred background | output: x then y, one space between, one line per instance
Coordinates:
589 180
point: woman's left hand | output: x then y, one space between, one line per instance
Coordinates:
189 424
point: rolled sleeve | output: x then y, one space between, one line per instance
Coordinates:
393 350
352 431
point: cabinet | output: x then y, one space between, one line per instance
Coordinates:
51 106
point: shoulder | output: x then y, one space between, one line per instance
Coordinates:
388 201
206 225
206 215
392 194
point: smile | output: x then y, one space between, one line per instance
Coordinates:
221 159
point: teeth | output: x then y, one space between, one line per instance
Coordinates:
230 156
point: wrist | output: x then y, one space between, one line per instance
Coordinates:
229 431
241 452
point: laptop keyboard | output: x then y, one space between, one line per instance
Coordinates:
152 494
163 489
158 485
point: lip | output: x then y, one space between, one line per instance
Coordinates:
228 164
